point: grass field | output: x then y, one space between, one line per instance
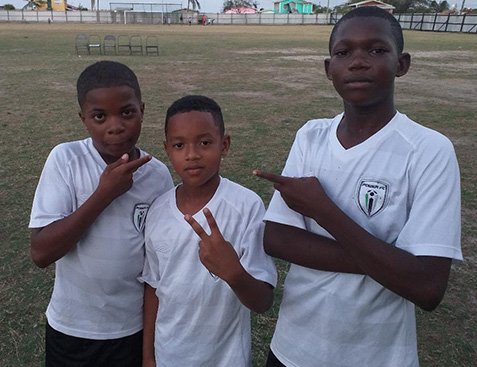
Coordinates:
269 81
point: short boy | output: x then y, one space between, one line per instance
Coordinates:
88 216
205 264
367 211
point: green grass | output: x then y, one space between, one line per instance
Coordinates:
269 81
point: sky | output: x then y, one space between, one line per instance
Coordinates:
216 6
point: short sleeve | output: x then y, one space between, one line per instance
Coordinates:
434 224
54 196
150 273
254 259
278 211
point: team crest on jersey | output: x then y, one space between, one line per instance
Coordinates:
372 196
139 216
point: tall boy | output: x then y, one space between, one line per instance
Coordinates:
203 273
368 215
88 216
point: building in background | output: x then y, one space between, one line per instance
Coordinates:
388 7
293 6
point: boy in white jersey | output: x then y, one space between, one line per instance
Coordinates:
88 216
367 211
205 264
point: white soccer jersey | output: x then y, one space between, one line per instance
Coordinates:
200 321
402 185
96 293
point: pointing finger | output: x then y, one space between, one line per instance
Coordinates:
211 221
135 164
196 227
124 159
270 176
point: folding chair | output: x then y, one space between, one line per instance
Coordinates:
123 43
94 41
135 44
152 45
81 44
109 42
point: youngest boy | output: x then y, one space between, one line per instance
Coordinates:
88 216
205 283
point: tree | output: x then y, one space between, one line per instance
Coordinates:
34 3
238 4
195 4
8 7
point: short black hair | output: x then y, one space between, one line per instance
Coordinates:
375 12
196 102
105 74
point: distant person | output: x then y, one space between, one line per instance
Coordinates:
190 20
169 20
367 211
182 20
205 265
88 216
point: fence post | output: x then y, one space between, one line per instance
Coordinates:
259 18
273 18
246 19
434 23
302 18
447 23
412 18
66 15
288 18
462 24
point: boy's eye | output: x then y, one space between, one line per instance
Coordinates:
129 112
205 142
99 117
177 145
378 51
341 53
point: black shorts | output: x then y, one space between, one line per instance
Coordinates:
63 350
272 360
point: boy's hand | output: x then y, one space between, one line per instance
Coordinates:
117 177
304 195
216 254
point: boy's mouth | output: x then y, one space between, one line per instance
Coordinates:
193 170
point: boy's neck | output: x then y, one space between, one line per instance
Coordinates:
358 125
191 199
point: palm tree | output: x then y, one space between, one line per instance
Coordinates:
34 4
195 4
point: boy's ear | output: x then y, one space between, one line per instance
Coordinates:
225 145
142 108
327 68
404 64
81 116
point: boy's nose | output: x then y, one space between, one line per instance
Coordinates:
115 125
359 60
192 152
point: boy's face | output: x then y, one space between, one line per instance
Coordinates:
113 117
195 147
364 61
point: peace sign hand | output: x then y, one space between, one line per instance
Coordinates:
216 254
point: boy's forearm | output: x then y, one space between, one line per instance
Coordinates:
50 243
421 280
253 293
307 249
151 304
